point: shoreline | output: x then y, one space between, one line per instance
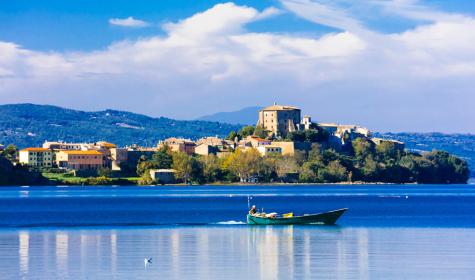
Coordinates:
218 185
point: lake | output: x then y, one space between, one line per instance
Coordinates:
389 231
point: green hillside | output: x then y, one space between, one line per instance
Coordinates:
30 125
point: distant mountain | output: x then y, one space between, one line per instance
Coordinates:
30 125
246 116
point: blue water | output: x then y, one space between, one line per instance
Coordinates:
389 232
373 205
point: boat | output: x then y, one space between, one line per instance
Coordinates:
326 218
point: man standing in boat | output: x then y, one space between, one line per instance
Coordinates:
253 210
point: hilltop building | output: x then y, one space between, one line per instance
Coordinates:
36 157
279 119
340 135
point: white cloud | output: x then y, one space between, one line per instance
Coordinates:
419 79
128 22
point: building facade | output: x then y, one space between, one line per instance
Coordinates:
80 160
269 150
36 157
163 176
279 119
63 146
179 145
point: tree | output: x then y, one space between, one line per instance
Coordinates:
261 132
333 173
212 170
10 152
315 153
307 173
370 170
163 158
442 168
244 164
316 135
104 172
296 136
183 165
145 179
387 150
144 165
267 168
286 165
232 135
309 135
361 148
246 131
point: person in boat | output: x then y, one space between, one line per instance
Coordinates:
253 210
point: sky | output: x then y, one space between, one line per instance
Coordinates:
389 65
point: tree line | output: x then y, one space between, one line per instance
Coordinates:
361 161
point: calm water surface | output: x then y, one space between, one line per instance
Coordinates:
390 232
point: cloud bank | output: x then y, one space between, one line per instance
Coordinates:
420 79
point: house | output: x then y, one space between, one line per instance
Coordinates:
36 157
206 149
341 135
212 141
253 141
269 150
179 145
63 146
213 145
287 148
279 119
163 176
118 157
86 161
258 142
104 145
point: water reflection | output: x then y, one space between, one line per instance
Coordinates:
235 252
24 247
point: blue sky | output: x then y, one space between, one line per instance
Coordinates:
60 25
392 65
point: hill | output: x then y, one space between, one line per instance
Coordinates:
30 125
244 116
462 145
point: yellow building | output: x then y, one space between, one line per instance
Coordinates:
36 157
80 160
279 119
287 148
269 150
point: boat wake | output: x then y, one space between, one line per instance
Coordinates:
231 223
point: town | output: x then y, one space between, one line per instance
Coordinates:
282 147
